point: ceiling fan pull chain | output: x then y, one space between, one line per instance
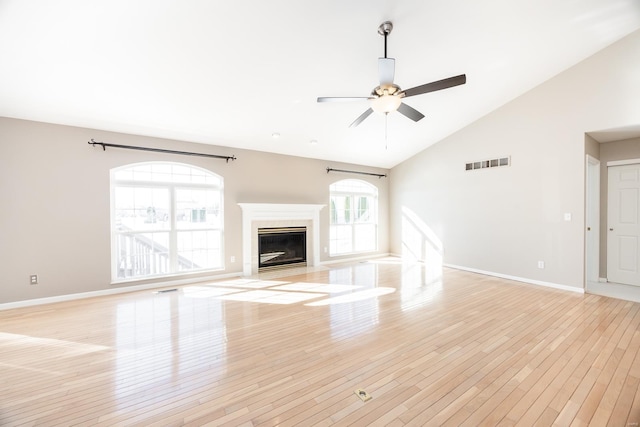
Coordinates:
386 116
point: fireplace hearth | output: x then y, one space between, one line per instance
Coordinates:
282 246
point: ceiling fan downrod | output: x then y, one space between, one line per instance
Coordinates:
384 30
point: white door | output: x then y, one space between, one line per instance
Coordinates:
623 249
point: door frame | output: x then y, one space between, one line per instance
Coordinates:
592 221
623 162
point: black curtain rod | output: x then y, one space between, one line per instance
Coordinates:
379 175
159 150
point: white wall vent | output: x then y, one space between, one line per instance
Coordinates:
493 163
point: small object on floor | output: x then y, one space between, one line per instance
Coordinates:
363 395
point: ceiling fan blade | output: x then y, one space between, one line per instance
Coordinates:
438 85
410 112
386 70
359 120
342 98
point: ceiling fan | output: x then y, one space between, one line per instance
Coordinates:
388 97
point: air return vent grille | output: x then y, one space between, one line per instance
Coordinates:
493 163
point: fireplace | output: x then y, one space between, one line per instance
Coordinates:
282 246
276 215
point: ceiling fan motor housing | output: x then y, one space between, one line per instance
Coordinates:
387 89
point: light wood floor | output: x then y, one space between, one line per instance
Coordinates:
466 350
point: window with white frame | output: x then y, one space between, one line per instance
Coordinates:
166 218
354 217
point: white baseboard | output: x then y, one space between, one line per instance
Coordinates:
112 291
519 279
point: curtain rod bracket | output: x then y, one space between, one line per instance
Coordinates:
159 150
94 143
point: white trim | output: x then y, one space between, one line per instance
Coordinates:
623 162
519 279
592 219
592 160
112 291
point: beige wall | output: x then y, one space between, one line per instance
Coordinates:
610 151
54 188
505 220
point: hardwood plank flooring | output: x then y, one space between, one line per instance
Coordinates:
290 349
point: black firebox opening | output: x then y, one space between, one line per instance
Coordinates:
281 246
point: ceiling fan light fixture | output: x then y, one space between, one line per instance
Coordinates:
386 103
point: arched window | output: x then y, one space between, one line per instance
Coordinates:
354 217
166 218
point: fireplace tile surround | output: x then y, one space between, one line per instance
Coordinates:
263 215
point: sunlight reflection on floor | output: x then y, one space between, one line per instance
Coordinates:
271 297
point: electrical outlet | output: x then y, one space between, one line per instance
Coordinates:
540 264
33 279
325 249
233 258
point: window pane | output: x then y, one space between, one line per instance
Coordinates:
353 186
213 180
365 237
142 173
124 174
140 208
198 209
341 239
341 209
198 250
363 213
142 254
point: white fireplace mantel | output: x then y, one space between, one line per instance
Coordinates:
275 214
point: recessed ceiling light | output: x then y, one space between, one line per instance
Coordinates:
275 135
313 142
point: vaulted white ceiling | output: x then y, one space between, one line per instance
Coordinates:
234 72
